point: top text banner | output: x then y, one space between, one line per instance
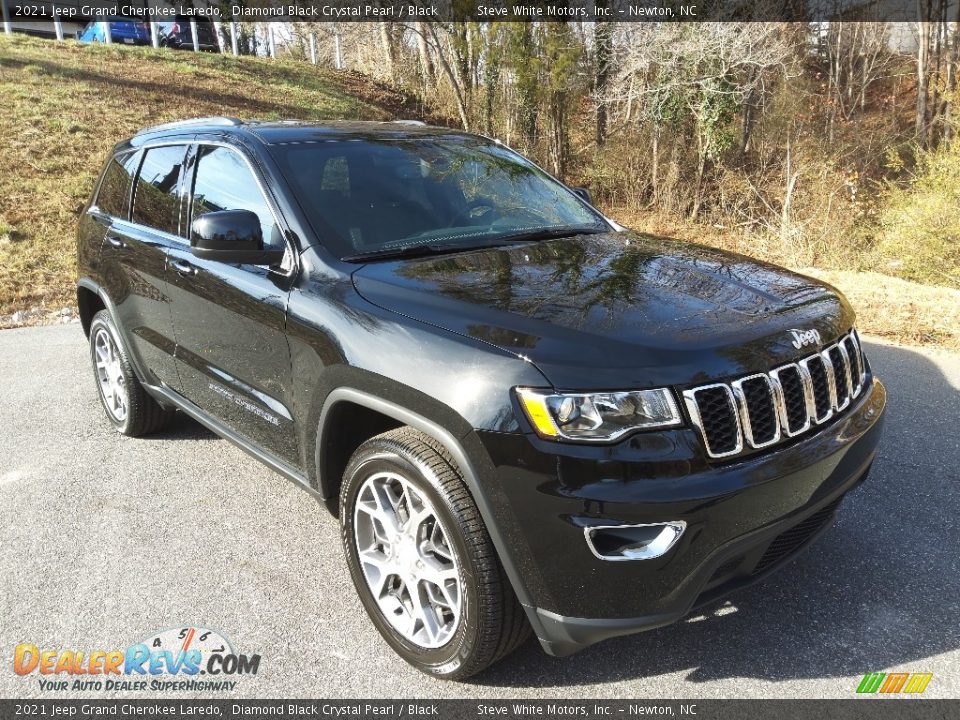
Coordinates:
477 10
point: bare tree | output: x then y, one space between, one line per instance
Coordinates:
602 51
698 77
438 51
858 54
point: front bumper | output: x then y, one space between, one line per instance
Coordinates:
744 518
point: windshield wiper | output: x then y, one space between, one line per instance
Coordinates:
548 234
428 249
412 251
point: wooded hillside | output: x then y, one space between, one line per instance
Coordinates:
824 144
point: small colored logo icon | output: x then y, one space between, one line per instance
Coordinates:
894 683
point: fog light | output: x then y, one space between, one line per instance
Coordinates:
633 542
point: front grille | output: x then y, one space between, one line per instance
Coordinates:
851 345
841 375
793 394
761 426
788 542
718 419
760 410
820 383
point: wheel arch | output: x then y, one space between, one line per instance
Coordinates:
369 415
90 300
401 415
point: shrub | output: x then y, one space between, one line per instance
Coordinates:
918 227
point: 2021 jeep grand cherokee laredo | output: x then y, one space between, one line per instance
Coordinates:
525 416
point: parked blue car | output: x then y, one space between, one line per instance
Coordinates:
122 30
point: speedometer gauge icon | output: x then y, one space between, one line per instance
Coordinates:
180 640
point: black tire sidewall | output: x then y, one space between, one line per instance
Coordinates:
448 659
102 320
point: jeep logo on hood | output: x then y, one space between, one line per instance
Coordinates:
802 338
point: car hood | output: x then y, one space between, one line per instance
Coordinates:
615 310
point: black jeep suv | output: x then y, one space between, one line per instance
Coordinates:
525 416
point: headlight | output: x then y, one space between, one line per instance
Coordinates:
598 416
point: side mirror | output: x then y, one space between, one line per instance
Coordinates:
231 236
582 193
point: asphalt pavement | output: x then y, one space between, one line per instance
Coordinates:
105 539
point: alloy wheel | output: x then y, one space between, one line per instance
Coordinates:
407 560
113 387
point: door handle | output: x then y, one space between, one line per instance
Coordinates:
116 242
183 267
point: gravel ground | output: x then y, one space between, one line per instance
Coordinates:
105 539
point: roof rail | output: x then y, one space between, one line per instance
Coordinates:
418 123
221 120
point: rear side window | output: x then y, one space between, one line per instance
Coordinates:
114 194
156 201
224 181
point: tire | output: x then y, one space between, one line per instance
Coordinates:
128 407
475 619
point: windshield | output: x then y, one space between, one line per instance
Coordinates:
377 195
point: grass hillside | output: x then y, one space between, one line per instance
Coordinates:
65 104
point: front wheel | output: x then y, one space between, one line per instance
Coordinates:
421 559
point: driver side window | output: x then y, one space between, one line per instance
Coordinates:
224 181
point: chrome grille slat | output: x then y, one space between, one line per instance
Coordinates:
806 398
820 377
693 407
842 386
852 348
763 409
742 405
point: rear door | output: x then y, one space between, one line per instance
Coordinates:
232 353
134 255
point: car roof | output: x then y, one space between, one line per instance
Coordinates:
293 131
276 132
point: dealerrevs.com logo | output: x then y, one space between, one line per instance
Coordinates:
184 658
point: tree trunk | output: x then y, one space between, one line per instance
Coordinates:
491 76
951 87
933 84
746 126
952 79
603 47
923 70
698 184
832 92
448 71
791 181
423 50
526 86
389 48
655 165
559 149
